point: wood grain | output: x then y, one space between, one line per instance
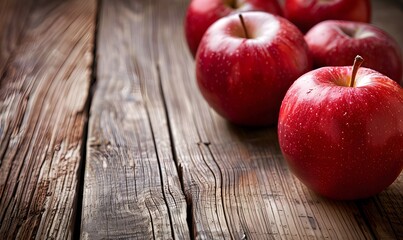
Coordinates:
131 188
13 18
43 95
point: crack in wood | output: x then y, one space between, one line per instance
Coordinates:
172 144
221 189
78 201
156 150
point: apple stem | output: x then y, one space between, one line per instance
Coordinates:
357 63
243 25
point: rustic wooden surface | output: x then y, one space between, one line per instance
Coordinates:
153 161
132 186
46 58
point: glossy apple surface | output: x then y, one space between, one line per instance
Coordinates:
335 43
202 13
343 142
306 13
245 78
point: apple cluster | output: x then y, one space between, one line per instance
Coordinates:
340 127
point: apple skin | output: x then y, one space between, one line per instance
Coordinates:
307 13
335 43
202 13
343 142
245 79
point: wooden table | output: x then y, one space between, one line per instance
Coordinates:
104 135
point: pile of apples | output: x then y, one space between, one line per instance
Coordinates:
340 127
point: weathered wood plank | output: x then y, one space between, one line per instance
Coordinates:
13 16
131 187
43 95
235 179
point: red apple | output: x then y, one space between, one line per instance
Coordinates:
343 141
335 43
306 13
244 69
202 13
